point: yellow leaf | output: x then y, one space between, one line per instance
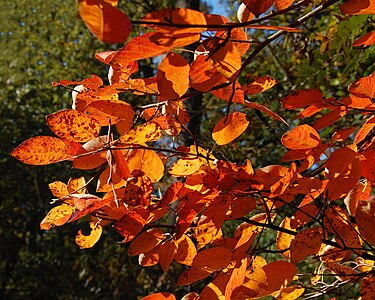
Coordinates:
87 241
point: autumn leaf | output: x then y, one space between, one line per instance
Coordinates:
363 87
229 128
186 251
244 14
173 76
87 241
212 259
302 98
227 60
259 85
365 41
41 150
283 4
358 7
365 217
258 7
266 110
307 242
103 20
57 216
73 125
192 275
146 241
301 137
160 296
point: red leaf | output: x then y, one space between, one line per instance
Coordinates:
258 7
302 98
105 21
364 87
364 130
160 296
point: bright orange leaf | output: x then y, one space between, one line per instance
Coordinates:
301 137
173 76
41 150
103 20
358 7
260 85
57 216
229 128
365 41
160 296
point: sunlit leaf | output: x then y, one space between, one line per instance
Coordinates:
87 241
212 259
186 251
160 296
192 275
73 125
41 150
258 7
57 216
104 20
229 128
301 137
259 85
266 110
365 41
173 76
363 87
283 4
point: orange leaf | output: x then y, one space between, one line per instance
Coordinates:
301 137
191 296
283 239
330 118
365 41
192 275
225 93
73 125
289 293
148 259
87 241
147 161
212 259
179 16
57 216
283 4
344 171
140 47
266 110
203 75
279 273
148 132
160 296
227 60
358 7
93 82
237 278
186 251
41 150
173 76
216 288
167 251
130 225
244 14
146 241
104 21
58 189
258 7
360 192
302 98
307 242
174 40
364 130
365 217
229 128
260 85
363 87
367 288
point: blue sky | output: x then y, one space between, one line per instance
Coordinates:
218 7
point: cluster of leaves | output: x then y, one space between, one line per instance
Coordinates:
120 143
